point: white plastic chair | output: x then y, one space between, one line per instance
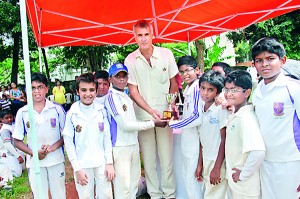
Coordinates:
68 98
51 98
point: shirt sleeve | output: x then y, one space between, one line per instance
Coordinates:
62 117
107 141
294 91
5 135
68 134
113 104
251 135
114 108
129 62
194 119
252 164
19 129
223 117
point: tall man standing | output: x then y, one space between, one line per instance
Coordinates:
152 73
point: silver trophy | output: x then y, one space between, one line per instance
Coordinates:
170 98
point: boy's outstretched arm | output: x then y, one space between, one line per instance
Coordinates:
216 171
23 147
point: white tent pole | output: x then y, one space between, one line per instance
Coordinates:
29 97
40 59
189 43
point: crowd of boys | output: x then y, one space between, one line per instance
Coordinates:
235 150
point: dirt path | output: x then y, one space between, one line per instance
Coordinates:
70 184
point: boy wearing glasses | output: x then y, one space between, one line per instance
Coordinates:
191 118
124 129
277 107
49 121
244 146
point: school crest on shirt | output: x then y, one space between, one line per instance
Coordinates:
278 108
78 128
28 125
53 122
124 107
101 126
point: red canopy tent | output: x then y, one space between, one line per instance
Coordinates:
88 22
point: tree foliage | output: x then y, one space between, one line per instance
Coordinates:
285 28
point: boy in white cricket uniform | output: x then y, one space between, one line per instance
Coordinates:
191 118
211 164
5 173
244 146
13 159
277 107
87 141
124 133
49 121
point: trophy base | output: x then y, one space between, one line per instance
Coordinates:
169 114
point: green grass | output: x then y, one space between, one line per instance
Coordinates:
20 186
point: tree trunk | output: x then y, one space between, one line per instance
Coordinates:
46 64
200 47
88 64
15 60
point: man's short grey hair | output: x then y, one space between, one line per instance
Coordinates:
142 24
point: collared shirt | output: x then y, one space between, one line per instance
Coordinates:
87 136
242 136
153 81
48 125
276 106
213 120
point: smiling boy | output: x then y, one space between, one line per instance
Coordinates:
189 122
87 141
244 146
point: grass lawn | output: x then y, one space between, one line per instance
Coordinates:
20 188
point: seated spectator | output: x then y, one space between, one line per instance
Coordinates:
17 97
5 102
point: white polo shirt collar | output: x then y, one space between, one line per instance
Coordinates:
75 109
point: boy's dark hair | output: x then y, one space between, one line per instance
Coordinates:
268 44
86 77
240 78
102 74
5 112
214 78
39 77
187 60
225 66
